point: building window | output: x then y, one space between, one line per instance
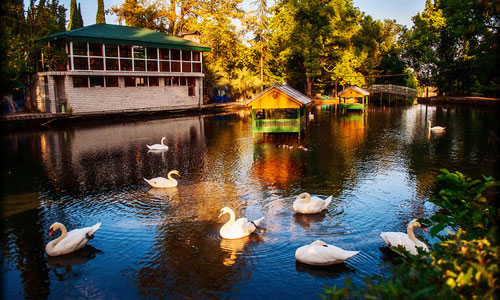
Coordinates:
139 52
164 66
125 51
96 63
96 81
112 50
81 63
112 64
175 81
141 81
152 66
196 56
125 64
186 66
168 81
176 54
129 81
182 81
139 65
95 49
79 48
111 81
186 55
152 53
165 54
176 66
80 81
197 67
153 81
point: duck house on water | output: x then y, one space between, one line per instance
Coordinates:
353 98
277 109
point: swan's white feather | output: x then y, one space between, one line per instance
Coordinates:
319 253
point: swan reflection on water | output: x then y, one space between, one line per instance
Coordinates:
306 220
67 261
163 193
234 248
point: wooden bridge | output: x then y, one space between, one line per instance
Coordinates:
392 89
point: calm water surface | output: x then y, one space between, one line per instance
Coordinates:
164 244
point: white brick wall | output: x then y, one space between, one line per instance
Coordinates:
115 99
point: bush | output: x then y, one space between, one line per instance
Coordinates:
463 265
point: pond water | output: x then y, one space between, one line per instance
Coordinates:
379 166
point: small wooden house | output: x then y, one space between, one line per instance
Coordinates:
353 98
279 108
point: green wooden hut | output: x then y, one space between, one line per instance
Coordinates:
279 108
353 98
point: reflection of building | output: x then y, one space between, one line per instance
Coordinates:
353 98
279 108
112 68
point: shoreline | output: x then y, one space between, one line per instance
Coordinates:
462 100
45 120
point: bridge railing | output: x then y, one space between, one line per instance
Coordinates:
393 89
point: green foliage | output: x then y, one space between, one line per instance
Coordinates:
75 19
453 45
462 266
100 18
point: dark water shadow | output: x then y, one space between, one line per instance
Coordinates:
332 271
67 261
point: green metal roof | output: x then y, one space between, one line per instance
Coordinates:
125 35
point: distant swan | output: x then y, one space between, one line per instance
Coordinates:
407 240
436 129
71 241
161 146
235 229
319 253
161 182
305 204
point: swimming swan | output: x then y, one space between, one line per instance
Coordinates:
305 204
161 146
162 182
436 129
71 241
407 240
235 229
319 253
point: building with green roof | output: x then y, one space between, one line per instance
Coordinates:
113 68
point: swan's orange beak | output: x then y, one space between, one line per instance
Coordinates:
51 232
425 229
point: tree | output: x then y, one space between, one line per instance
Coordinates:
75 19
100 18
420 43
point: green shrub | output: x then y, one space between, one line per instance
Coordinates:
463 265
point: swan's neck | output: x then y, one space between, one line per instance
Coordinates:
232 217
170 177
306 199
163 139
64 233
410 233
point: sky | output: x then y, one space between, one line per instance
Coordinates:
400 10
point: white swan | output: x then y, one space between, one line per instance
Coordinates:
71 241
235 229
407 240
305 204
436 129
319 253
162 182
161 146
